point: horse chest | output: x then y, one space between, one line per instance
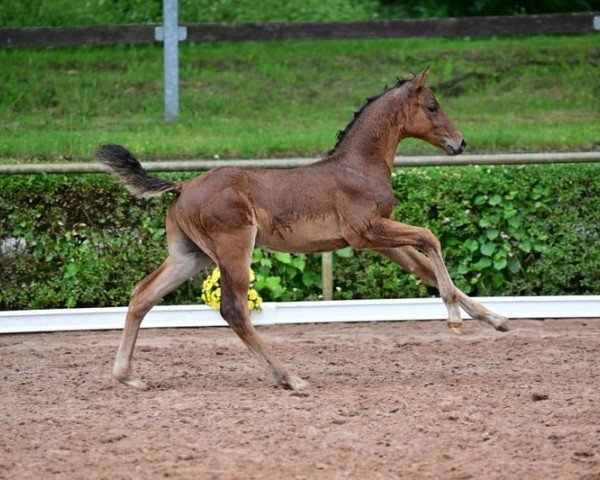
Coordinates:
378 201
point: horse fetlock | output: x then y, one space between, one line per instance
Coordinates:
499 322
294 383
456 327
133 383
122 372
127 379
505 326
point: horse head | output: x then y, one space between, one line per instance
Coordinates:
428 121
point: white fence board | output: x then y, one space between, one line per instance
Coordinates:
295 312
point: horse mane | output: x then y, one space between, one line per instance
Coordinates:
341 134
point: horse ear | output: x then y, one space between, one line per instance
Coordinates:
419 80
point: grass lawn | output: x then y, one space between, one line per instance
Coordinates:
256 99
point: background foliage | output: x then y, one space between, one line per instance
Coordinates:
26 13
75 241
82 241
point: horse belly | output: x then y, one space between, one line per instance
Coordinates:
302 236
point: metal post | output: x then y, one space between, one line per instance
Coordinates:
327 275
171 34
171 61
406 161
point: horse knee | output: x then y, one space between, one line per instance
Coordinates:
429 241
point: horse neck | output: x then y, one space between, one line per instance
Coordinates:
373 140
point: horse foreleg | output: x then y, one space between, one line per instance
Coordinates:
234 309
383 233
420 265
234 253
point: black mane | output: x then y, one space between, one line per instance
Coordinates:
342 133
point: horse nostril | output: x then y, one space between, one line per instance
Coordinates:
463 144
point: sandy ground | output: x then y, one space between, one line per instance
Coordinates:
386 400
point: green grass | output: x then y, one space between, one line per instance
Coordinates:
290 98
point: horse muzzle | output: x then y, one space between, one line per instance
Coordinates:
455 148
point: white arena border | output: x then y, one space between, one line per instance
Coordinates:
295 312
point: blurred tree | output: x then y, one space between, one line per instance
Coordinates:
27 13
462 8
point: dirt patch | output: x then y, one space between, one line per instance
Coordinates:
387 400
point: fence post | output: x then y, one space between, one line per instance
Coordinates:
327 275
171 34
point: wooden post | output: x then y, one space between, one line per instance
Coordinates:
327 275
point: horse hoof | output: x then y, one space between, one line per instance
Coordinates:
133 383
296 383
455 327
505 327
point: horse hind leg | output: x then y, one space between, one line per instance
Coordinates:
184 261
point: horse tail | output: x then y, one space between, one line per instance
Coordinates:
129 170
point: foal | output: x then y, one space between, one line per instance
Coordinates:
344 199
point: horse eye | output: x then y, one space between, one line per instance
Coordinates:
432 108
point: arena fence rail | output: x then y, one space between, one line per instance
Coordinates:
296 312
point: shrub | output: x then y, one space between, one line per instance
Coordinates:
525 230
77 241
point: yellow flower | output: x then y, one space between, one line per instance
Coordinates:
211 291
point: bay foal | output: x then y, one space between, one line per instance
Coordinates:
344 199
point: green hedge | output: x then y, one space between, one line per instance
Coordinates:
519 230
77 241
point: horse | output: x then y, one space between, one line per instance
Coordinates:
345 199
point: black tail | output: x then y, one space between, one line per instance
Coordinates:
128 169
